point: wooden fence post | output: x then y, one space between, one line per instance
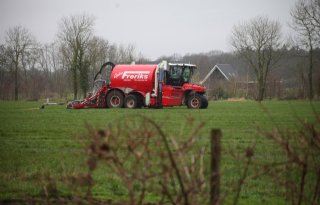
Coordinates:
215 162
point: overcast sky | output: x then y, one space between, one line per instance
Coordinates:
155 27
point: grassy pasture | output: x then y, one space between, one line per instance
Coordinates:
35 142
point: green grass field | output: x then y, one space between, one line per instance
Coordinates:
36 142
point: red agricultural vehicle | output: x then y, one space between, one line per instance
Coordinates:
152 85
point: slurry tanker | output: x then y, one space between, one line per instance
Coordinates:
146 85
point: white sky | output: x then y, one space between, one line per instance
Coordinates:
155 27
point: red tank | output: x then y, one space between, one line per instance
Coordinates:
135 77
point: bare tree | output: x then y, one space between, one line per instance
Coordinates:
257 42
313 11
33 83
97 55
306 20
18 42
74 34
112 54
3 59
126 54
5 64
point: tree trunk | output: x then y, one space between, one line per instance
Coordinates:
260 93
310 72
247 88
75 83
16 80
83 68
261 89
16 85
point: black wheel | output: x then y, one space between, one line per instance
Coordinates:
115 99
194 101
131 101
204 102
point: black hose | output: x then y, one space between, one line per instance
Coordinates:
105 64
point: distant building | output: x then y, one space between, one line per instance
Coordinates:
220 81
221 72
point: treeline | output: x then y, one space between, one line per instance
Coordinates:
62 69
268 66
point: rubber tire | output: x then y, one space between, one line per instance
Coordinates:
112 95
204 102
191 100
134 100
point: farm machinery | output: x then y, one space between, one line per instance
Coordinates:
146 85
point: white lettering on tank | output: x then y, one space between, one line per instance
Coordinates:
135 75
117 75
